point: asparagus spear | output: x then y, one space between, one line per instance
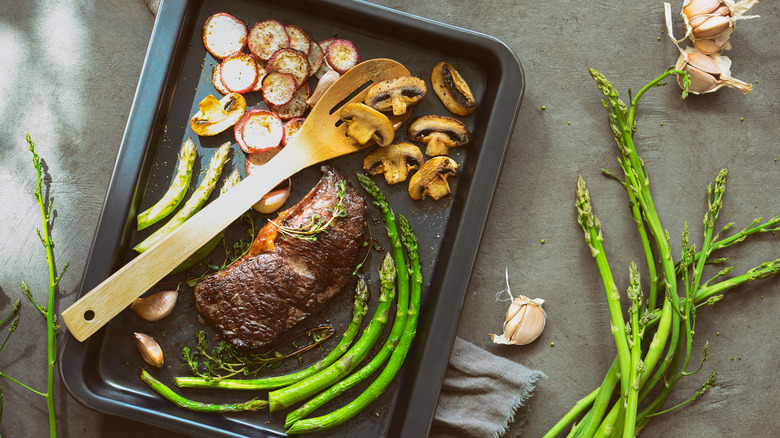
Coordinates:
178 400
674 322
359 310
196 201
231 181
52 328
176 191
288 396
380 384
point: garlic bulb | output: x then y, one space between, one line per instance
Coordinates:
708 73
150 350
709 23
156 306
525 319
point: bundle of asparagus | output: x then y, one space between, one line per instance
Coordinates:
642 376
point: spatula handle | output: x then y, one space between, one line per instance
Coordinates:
106 300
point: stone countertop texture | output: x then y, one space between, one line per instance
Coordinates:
68 76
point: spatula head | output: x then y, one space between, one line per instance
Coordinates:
323 125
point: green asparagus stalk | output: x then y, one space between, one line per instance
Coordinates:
673 324
176 191
230 182
178 400
380 384
290 395
52 328
366 371
196 201
359 310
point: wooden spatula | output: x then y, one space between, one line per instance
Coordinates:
321 137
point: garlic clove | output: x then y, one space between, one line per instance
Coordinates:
704 63
711 26
713 45
524 322
156 306
691 8
708 73
150 350
273 200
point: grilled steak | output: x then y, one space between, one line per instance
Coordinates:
285 278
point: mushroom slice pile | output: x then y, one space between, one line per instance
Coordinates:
394 161
216 116
439 133
431 179
366 123
452 89
396 94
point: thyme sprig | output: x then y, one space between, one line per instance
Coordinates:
317 224
223 360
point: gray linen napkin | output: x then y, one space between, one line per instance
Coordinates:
481 393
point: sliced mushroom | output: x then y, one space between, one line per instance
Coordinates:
216 116
452 89
431 179
394 161
396 94
366 123
439 133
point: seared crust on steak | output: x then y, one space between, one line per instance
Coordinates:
284 278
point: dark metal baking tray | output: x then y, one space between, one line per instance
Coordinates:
101 372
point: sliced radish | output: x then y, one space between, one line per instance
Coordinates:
238 130
298 38
296 107
260 72
216 79
239 73
257 159
290 61
342 55
291 128
223 35
316 58
266 37
262 130
278 88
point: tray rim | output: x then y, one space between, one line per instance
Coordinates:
435 334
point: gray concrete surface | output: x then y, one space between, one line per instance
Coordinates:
69 74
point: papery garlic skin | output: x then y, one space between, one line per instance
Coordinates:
524 322
708 72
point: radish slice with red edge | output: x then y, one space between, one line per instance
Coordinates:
316 58
290 61
342 55
296 107
266 37
278 88
216 79
291 127
238 130
299 40
239 73
262 130
223 35
260 72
